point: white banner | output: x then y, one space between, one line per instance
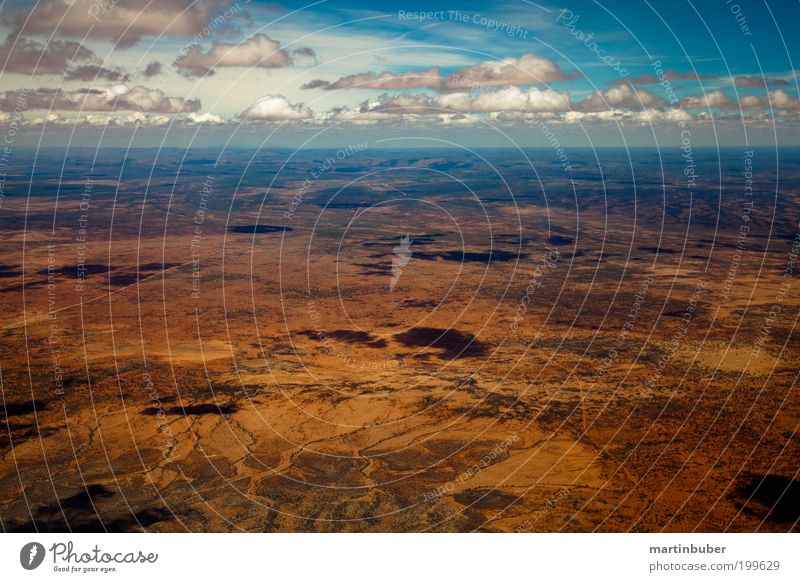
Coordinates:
401 557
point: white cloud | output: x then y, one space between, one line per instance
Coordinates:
275 108
108 98
529 69
777 99
780 99
644 116
205 118
506 99
620 96
711 99
102 120
513 98
257 51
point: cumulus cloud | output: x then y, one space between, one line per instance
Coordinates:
400 104
363 115
275 108
529 69
408 116
137 118
123 21
756 81
359 116
205 119
777 99
102 120
750 102
30 57
711 99
780 99
110 98
257 51
620 96
643 117
506 99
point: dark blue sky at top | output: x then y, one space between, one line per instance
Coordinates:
704 35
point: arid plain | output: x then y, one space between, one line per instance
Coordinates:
246 343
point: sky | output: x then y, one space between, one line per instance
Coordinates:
306 74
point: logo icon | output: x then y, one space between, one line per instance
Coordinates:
31 555
402 254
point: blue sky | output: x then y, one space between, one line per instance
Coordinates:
612 70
